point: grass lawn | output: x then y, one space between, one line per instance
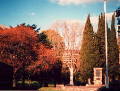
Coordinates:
49 89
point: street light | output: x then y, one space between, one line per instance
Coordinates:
106 48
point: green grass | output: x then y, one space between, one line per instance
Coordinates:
27 82
49 89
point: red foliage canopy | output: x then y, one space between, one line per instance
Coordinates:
18 46
47 56
46 59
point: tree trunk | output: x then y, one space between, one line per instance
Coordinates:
23 79
29 80
14 81
71 76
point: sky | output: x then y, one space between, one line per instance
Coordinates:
44 12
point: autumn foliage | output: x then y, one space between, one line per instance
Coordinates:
20 48
57 42
46 59
17 46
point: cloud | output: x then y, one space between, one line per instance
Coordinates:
32 13
76 2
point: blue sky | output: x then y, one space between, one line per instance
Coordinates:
45 12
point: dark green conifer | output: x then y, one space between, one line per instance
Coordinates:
113 50
88 53
101 40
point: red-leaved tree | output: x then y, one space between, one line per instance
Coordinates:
18 47
46 59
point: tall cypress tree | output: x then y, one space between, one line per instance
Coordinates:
113 52
101 40
88 55
113 49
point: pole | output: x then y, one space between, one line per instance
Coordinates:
106 48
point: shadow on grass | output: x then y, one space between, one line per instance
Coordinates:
114 86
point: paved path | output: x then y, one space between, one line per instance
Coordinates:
79 88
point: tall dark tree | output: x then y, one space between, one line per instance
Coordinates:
88 55
113 52
113 48
101 40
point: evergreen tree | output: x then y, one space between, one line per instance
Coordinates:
88 53
113 52
101 40
113 49
93 48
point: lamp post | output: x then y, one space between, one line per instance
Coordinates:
106 48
